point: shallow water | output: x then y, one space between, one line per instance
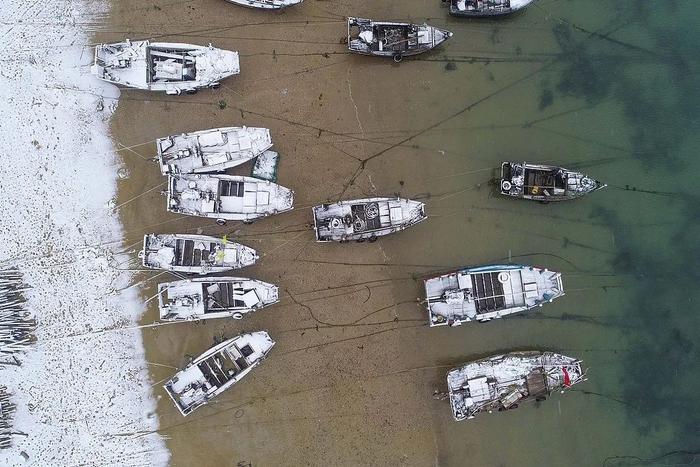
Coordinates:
605 86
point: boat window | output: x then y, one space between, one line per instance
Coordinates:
231 188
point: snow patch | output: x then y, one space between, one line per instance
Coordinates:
83 397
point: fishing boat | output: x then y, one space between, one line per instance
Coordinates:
365 219
214 297
502 382
227 197
194 254
545 182
164 66
388 39
480 8
212 150
266 4
489 292
217 369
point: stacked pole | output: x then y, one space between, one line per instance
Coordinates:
16 332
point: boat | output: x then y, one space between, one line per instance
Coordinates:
227 197
217 369
266 4
214 297
212 150
481 8
164 66
502 382
192 254
365 219
488 292
545 182
388 39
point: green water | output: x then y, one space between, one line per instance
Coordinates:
609 87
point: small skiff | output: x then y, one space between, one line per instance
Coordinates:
212 150
545 182
481 8
365 219
227 197
502 382
194 254
489 292
164 66
216 370
213 297
397 40
266 4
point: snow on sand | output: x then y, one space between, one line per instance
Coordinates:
83 397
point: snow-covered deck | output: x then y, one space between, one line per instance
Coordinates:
216 297
227 197
362 218
211 150
217 369
489 292
502 380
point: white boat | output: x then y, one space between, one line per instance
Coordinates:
365 219
227 197
489 292
391 39
545 183
217 369
164 66
214 297
502 382
212 150
266 4
486 8
198 254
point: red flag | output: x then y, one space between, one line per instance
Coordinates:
567 380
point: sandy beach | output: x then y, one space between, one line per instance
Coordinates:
352 377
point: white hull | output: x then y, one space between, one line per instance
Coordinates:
502 382
164 66
216 370
489 292
266 4
365 219
194 254
227 197
212 150
214 297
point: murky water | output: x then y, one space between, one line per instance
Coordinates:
605 86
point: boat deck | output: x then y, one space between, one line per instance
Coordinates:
485 293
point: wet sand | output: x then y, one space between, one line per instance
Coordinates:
351 379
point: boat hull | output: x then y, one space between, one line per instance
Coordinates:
393 40
169 67
502 382
266 4
216 297
217 370
365 219
457 8
544 183
488 292
194 254
227 197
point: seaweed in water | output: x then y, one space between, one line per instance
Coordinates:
662 365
